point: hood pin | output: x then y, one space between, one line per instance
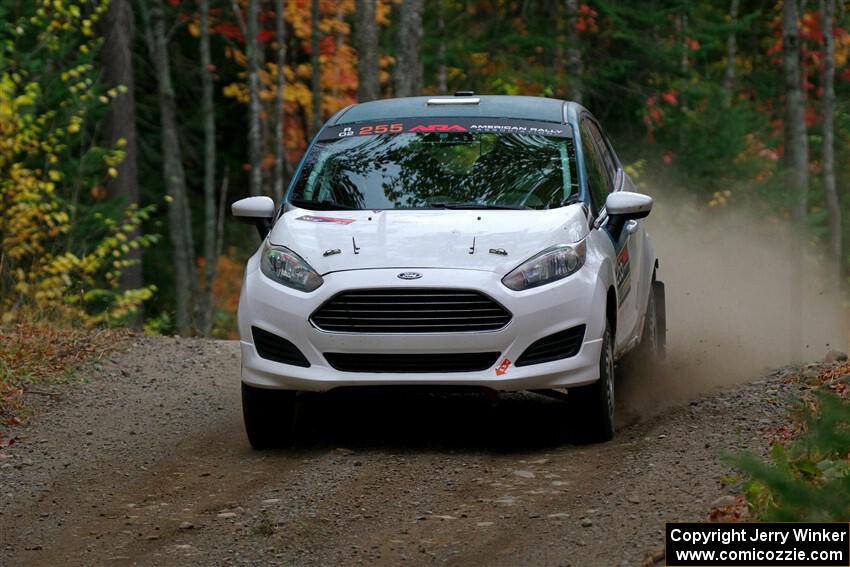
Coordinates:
332 252
499 251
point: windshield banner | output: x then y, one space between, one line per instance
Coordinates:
439 125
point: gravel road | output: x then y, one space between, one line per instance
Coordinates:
146 463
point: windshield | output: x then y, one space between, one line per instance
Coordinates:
437 169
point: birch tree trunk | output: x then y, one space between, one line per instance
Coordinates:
827 8
366 44
210 216
796 141
255 135
179 215
120 122
408 69
315 66
731 54
280 112
574 63
796 161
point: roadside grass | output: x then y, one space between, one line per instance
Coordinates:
43 353
807 474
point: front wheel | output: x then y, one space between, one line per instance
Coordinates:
269 416
592 406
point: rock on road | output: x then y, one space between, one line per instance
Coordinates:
146 463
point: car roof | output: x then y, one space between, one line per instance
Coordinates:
490 106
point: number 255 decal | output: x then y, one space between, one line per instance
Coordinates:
395 128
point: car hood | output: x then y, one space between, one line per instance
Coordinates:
425 238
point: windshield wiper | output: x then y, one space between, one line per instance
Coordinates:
571 200
321 205
474 206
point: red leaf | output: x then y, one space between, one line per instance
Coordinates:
264 36
229 30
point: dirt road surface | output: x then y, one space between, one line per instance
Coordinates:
147 464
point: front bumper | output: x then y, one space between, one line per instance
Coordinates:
537 313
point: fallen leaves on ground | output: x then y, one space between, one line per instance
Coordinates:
39 353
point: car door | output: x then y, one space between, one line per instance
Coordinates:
642 264
604 175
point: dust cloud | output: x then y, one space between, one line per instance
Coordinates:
729 276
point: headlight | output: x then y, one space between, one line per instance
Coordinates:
552 264
288 268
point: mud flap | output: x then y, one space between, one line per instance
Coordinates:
660 317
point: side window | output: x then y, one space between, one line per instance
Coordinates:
597 179
607 158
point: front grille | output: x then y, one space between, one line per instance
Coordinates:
563 344
410 311
277 349
450 362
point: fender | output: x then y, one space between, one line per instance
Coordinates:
603 273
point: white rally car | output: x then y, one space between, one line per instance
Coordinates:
490 241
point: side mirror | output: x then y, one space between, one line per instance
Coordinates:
258 211
623 206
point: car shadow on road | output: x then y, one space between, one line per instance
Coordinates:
411 418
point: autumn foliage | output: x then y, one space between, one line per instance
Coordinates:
48 166
656 77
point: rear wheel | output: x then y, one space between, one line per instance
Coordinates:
592 406
269 416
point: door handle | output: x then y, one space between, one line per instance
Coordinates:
631 226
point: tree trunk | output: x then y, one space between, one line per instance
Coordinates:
574 63
827 8
796 169
210 217
280 111
255 135
315 66
442 79
681 25
796 141
120 122
179 215
408 69
731 54
366 44
339 45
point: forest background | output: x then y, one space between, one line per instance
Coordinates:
127 127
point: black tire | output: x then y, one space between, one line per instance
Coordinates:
592 406
269 416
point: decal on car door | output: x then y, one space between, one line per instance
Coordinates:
624 273
335 220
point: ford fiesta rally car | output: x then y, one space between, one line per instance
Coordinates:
491 241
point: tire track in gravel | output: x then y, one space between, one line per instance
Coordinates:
109 474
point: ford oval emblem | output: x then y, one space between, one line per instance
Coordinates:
409 276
